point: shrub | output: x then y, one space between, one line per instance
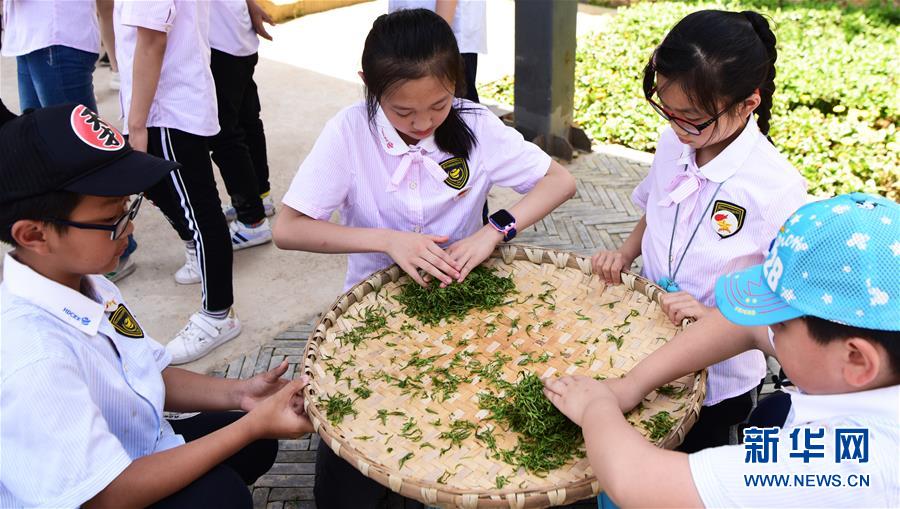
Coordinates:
836 104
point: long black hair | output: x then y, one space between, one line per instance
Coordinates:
718 56
410 44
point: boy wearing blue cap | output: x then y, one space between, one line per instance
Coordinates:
82 385
826 303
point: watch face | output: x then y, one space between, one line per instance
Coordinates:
503 218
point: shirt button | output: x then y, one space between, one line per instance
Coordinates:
417 229
412 185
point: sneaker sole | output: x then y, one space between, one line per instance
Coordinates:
228 337
187 281
118 276
250 243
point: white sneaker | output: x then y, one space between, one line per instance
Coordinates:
114 81
201 335
189 273
229 212
269 205
243 236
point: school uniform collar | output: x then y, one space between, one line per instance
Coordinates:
882 403
727 163
71 307
393 144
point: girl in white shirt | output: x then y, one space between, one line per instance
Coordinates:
718 189
409 170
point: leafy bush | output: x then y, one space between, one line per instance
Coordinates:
836 103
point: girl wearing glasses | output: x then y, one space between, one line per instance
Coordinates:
717 191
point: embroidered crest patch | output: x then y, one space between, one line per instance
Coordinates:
124 323
727 218
457 172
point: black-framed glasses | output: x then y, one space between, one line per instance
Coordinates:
686 125
117 228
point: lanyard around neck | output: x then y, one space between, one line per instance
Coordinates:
693 234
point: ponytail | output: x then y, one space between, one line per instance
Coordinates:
767 89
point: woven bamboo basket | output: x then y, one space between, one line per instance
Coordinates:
416 462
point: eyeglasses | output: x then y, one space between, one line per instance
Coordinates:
686 125
117 228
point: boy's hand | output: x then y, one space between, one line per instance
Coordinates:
627 393
281 415
610 264
680 305
474 249
137 138
573 394
253 391
257 17
413 251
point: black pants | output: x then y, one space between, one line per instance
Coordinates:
340 486
470 61
190 201
239 149
713 427
225 486
771 411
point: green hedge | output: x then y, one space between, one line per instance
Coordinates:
836 104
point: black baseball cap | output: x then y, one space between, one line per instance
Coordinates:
70 148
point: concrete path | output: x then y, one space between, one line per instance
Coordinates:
305 76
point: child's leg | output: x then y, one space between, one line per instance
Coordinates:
254 132
221 488
250 462
189 199
230 147
713 427
340 486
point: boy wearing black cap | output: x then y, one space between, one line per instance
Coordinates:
83 388
826 303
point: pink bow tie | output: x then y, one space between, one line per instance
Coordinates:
681 187
414 156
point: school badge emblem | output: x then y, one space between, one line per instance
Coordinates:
727 218
125 324
457 172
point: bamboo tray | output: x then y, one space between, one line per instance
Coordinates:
579 323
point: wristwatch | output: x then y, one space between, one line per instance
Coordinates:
504 223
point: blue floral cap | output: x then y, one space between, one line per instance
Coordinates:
836 259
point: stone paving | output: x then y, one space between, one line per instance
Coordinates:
599 216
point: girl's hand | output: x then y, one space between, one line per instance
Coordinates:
680 305
610 264
469 252
137 138
573 394
413 251
281 415
253 391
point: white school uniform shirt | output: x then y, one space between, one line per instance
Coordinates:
469 21
186 95
719 472
759 192
376 180
30 25
230 28
79 400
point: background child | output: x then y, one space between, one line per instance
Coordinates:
717 190
239 148
409 171
83 386
829 292
168 100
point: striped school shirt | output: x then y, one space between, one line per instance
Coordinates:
376 180
186 94
230 28
80 398
735 224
